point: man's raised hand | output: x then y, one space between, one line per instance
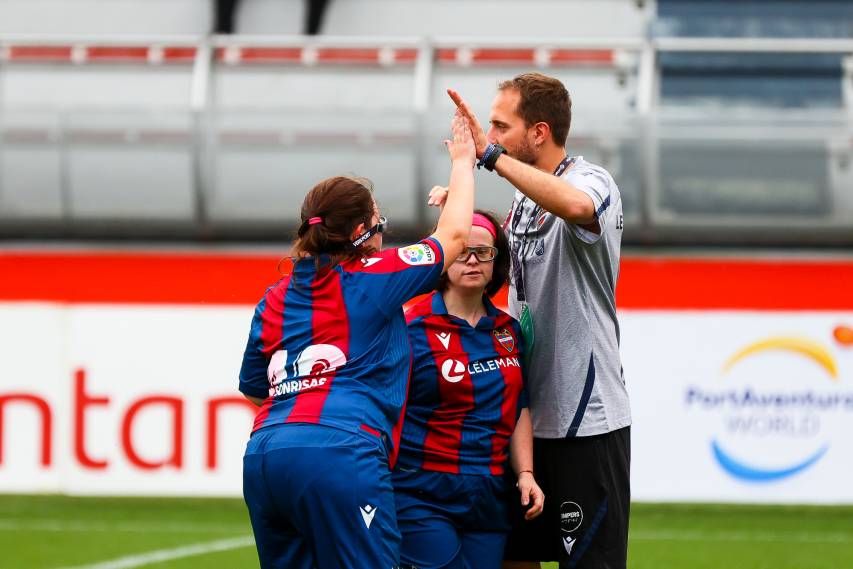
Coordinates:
477 132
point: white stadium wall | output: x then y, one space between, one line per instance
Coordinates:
118 375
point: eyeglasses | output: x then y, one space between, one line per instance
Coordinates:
378 228
483 253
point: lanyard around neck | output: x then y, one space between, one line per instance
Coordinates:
521 250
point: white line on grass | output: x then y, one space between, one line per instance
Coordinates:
746 536
168 554
132 527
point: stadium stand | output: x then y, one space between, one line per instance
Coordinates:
754 18
98 131
290 111
796 91
711 139
489 18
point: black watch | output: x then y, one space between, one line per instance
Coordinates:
493 157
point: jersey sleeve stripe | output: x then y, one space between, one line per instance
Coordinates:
604 205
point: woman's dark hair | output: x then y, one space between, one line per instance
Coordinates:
501 264
341 203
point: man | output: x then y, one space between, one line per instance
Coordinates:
565 229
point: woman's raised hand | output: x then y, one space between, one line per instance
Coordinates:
461 145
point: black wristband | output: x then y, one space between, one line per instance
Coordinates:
490 161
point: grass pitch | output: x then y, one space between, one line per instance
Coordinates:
52 532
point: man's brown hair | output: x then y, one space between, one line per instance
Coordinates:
543 99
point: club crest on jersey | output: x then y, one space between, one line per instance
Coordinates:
419 254
506 339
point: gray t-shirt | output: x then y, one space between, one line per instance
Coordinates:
574 372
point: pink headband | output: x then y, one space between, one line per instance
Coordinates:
481 220
315 220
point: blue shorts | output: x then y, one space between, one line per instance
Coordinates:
320 498
451 521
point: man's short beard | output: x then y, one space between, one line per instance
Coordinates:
524 152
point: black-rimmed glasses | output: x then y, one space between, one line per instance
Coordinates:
483 253
378 228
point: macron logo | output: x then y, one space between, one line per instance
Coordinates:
371 261
367 513
444 338
568 543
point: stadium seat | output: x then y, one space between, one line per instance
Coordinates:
115 18
291 115
752 137
754 18
94 131
489 18
269 17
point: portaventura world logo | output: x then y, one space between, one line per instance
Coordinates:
773 415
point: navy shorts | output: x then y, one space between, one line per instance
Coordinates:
451 521
320 498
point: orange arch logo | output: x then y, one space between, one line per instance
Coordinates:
802 346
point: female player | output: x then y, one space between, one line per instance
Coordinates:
328 363
466 406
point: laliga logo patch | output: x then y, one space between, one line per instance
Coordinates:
505 338
453 370
419 254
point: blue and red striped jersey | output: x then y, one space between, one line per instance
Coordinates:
330 347
467 390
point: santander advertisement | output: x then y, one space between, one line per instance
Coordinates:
118 375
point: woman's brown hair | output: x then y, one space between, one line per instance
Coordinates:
501 267
341 203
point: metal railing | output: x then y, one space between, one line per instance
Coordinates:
658 153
